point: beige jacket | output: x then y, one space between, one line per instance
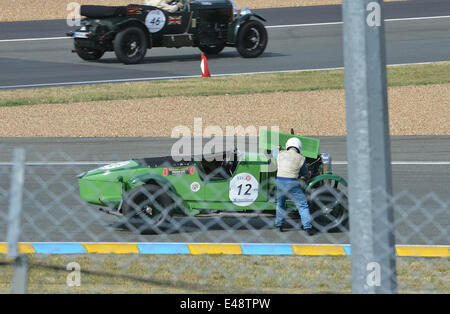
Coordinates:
289 163
164 4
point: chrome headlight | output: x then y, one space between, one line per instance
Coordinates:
245 11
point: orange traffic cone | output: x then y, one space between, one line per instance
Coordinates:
204 67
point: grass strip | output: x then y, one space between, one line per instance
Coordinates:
425 74
188 274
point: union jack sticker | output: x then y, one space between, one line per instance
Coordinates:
174 20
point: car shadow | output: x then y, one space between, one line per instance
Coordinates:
187 58
185 225
196 224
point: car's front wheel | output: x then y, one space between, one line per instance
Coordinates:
130 45
252 39
150 204
329 209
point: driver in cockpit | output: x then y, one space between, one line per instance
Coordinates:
166 5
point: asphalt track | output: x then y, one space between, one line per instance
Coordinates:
416 32
54 212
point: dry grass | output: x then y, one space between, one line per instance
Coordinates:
285 274
414 110
24 10
422 74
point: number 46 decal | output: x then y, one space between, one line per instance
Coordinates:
155 21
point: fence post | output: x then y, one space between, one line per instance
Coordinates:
19 280
368 148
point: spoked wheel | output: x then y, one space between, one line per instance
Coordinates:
130 45
148 204
252 39
329 209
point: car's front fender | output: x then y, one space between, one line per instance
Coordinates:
325 177
151 178
133 22
233 34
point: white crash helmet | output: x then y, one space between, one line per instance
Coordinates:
294 142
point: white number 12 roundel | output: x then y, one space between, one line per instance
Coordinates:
243 189
155 21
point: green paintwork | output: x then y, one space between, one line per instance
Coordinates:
267 139
106 186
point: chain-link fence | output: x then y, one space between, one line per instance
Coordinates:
197 225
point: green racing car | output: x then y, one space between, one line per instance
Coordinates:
158 188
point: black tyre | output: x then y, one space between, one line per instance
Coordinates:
212 49
252 39
130 45
151 204
329 209
89 54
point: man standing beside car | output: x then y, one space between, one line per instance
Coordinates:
291 165
166 5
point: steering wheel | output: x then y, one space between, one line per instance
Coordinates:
227 166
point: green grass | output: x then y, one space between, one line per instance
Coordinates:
217 274
437 73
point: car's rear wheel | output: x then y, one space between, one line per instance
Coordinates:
130 45
150 204
329 209
252 39
211 49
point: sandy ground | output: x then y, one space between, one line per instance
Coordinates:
22 10
414 110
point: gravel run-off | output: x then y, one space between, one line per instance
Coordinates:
413 110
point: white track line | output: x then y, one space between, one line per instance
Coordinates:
102 81
269 27
340 23
159 78
32 39
304 25
183 77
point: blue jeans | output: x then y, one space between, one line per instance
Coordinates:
290 188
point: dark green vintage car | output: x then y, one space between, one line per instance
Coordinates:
131 30
232 181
